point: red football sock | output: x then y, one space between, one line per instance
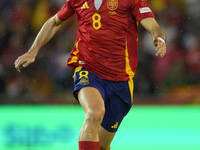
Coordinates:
89 145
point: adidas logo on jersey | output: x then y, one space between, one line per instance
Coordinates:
85 6
115 126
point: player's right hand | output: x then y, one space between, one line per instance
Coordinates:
24 60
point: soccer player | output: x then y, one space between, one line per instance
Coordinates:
104 58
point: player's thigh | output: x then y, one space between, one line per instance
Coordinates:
105 138
91 100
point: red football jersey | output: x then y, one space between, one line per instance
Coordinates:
107 35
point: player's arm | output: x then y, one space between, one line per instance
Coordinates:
48 30
158 35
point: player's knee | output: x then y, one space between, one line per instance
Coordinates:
95 116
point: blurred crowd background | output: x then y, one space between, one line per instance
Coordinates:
174 79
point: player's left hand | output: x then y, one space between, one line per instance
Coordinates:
24 60
160 46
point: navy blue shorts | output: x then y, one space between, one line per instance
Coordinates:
117 96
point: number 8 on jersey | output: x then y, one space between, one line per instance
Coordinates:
96 21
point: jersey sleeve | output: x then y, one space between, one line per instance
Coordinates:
140 10
66 11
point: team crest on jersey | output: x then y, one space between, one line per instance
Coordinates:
112 4
84 81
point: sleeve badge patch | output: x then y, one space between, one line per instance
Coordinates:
145 10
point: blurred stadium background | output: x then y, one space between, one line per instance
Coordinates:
38 110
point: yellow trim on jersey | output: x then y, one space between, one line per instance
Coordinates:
129 72
131 88
75 58
77 70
